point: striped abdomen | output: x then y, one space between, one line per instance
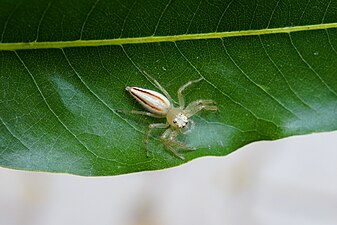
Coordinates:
151 100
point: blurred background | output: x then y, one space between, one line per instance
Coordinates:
291 181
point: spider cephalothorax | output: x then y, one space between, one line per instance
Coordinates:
180 120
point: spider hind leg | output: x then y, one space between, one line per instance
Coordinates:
169 140
148 132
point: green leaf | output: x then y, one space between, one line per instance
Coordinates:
64 66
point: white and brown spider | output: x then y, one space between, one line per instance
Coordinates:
161 106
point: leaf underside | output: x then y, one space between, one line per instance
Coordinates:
64 66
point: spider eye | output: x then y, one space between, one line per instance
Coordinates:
174 121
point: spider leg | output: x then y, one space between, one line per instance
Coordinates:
199 102
169 147
168 144
140 113
168 139
172 139
182 88
193 110
148 131
161 88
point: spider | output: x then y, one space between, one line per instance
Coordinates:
162 106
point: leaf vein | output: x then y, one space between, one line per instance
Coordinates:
273 12
330 43
283 76
7 21
56 116
254 83
310 67
196 11
158 39
87 17
13 135
254 15
325 12
305 9
222 15
218 89
95 95
161 16
41 19
126 18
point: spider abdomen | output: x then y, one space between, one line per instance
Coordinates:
151 100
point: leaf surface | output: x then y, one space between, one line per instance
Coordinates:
64 66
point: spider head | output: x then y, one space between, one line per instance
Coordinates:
180 120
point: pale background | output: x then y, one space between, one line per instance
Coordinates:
287 182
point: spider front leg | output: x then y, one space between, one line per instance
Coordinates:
147 133
182 88
196 106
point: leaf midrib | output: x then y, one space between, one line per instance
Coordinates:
154 39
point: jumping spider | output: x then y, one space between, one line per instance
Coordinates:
162 106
